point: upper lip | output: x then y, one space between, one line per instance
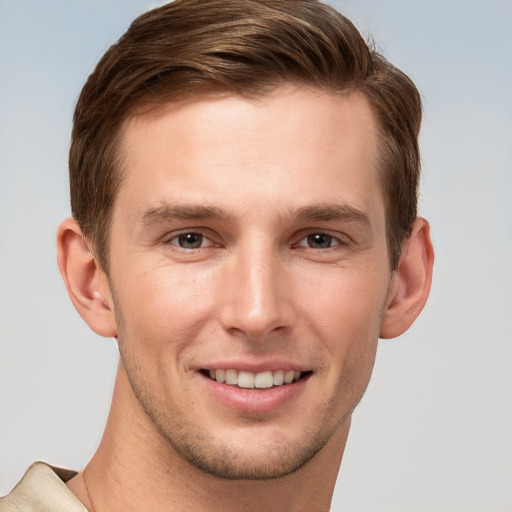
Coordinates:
253 365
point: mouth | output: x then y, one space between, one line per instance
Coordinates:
248 380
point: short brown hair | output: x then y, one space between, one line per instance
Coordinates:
246 47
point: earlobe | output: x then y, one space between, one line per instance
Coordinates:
85 281
410 287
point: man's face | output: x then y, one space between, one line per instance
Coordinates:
248 244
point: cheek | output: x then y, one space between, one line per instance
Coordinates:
347 303
346 312
163 306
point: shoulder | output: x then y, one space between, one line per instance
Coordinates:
42 489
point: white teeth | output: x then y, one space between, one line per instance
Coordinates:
246 380
288 377
250 380
231 377
264 380
278 378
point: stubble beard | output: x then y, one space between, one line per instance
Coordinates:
196 445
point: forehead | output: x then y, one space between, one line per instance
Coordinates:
290 147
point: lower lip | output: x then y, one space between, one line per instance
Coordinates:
254 400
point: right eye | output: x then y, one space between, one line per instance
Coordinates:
190 240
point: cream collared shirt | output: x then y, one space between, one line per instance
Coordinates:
42 489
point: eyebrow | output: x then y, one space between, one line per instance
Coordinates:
167 212
313 213
329 212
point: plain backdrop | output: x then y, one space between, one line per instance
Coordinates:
434 431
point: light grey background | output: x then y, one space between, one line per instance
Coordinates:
434 431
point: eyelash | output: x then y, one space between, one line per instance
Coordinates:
335 241
176 238
326 236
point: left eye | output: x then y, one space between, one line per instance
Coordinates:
319 241
189 240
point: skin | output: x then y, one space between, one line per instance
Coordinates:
282 198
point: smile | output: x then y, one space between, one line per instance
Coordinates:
261 380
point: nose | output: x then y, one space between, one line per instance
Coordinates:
257 295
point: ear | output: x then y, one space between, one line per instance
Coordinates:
411 282
85 281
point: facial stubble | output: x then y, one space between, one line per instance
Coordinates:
194 444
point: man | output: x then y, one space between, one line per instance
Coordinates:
244 183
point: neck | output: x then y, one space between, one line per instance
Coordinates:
135 468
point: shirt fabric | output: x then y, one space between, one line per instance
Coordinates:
42 489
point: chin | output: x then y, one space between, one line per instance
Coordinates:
246 462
